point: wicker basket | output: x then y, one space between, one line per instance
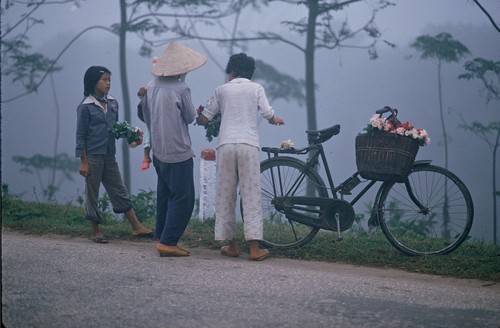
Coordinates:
385 156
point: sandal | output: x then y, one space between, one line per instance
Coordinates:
262 257
99 240
225 251
183 249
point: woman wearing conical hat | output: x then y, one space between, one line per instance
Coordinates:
167 109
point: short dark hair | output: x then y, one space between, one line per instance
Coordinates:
241 65
92 76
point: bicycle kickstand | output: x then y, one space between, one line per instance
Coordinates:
337 220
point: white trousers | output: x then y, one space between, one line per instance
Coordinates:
238 164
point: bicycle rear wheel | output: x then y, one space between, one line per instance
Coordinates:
435 221
287 176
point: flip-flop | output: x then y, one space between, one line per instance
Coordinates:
144 235
99 240
262 257
183 249
225 251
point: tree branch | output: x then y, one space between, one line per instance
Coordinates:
55 61
487 15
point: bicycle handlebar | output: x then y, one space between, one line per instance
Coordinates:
386 109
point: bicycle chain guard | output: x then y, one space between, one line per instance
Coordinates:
345 212
319 212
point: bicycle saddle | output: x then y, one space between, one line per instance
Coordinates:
315 137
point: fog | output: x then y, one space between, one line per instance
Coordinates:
350 88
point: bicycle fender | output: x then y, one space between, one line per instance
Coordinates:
288 158
373 220
422 162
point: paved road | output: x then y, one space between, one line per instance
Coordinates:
57 281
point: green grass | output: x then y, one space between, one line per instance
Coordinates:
472 260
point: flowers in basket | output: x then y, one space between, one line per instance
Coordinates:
133 135
212 127
378 123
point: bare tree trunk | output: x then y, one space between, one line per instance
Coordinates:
309 58
441 114
309 65
52 181
446 216
495 195
124 84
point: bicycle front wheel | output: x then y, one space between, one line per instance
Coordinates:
431 213
280 177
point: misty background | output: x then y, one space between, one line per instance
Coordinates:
350 87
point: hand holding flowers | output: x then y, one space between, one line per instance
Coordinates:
211 127
133 135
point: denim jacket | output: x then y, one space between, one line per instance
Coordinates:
93 127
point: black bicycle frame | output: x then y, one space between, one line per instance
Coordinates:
317 151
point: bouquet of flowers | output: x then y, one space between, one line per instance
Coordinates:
212 127
378 123
287 144
133 135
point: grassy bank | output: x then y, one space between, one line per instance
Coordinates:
471 260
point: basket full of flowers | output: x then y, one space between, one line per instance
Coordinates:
387 150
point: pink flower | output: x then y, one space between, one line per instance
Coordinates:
403 129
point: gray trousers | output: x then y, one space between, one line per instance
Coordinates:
104 169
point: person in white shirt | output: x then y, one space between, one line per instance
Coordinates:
240 101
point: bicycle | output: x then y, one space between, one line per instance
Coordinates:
431 212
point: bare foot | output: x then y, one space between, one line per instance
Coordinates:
166 250
142 232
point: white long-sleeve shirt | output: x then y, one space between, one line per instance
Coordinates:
240 101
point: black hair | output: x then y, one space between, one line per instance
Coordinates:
241 65
92 76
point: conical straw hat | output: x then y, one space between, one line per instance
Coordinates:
178 59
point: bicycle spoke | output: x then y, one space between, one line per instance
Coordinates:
282 177
440 226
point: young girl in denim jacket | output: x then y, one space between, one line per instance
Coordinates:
95 145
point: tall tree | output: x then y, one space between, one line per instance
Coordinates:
27 69
157 22
30 69
320 29
488 72
444 49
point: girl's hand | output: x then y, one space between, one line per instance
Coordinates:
84 169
